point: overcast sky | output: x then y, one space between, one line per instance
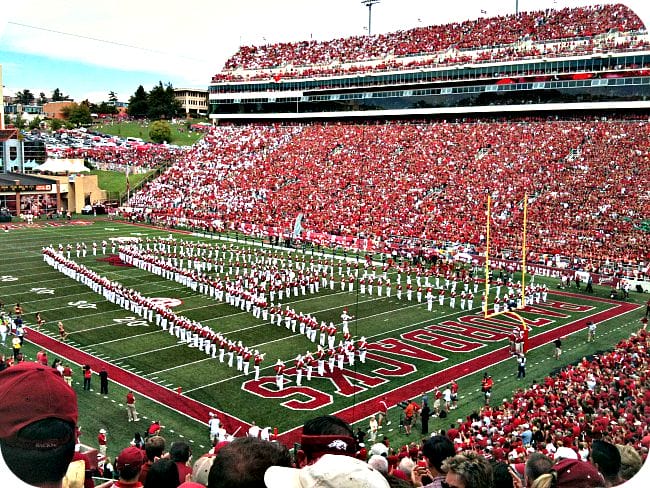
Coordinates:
89 48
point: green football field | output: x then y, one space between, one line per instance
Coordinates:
411 349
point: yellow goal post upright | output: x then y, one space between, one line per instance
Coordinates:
486 312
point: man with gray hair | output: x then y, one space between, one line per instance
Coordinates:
380 463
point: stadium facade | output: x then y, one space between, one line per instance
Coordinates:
601 69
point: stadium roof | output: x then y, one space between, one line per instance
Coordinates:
10 179
6 134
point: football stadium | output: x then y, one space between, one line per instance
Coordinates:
441 231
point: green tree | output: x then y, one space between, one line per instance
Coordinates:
25 97
138 103
55 124
35 123
42 99
19 122
77 114
112 97
7 120
58 96
105 108
160 131
162 103
175 108
157 102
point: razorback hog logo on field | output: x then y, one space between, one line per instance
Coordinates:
405 355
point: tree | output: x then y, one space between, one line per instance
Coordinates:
19 122
55 124
42 99
58 96
138 103
162 103
106 109
35 123
160 131
175 108
25 97
112 97
77 114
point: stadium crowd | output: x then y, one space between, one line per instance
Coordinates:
584 426
146 157
354 181
471 34
621 43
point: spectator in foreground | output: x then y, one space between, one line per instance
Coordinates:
435 450
537 464
380 463
570 473
325 435
129 464
607 460
501 476
181 453
162 474
329 470
43 435
467 470
631 461
201 469
154 448
243 462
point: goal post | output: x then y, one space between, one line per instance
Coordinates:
486 309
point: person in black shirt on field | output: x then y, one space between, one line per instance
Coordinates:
103 381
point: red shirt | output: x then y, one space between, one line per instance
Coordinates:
183 471
153 429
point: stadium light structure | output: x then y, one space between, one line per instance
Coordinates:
369 4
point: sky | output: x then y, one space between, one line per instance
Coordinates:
87 49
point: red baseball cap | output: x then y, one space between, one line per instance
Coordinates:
130 456
577 474
30 392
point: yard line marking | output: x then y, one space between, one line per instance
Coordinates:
147 352
119 339
179 366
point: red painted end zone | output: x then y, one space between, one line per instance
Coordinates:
199 411
369 407
142 386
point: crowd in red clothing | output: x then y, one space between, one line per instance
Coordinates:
604 397
484 33
117 158
622 43
422 180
